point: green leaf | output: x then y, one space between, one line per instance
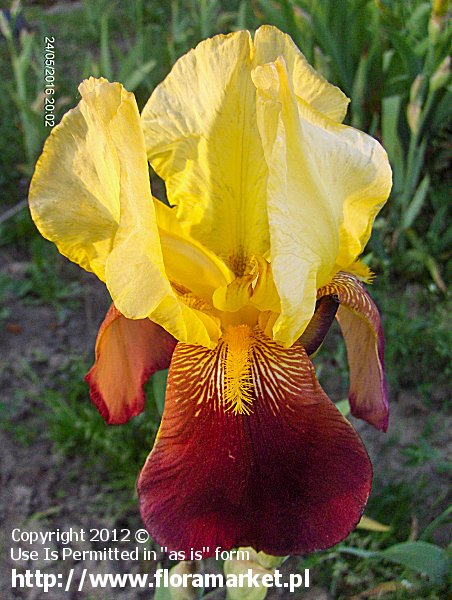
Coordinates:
105 54
133 80
343 406
390 108
419 17
25 56
441 115
236 568
419 556
433 269
414 166
159 389
359 91
407 53
258 562
416 204
163 593
275 15
356 552
434 525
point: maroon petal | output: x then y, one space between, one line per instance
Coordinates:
251 452
360 323
127 353
318 326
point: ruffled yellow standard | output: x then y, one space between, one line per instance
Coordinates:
233 287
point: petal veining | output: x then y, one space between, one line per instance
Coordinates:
202 139
360 324
246 439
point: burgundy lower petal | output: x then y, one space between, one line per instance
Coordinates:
286 475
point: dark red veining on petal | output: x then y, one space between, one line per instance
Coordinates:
291 477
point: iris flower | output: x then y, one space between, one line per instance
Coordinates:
233 287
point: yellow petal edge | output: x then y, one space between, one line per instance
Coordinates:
90 195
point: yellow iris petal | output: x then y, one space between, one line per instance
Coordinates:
187 262
247 137
303 220
74 193
255 290
188 324
308 85
234 296
91 195
135 272
265 295
202 139
326 184
272 195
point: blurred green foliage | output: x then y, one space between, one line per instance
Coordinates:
24 89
